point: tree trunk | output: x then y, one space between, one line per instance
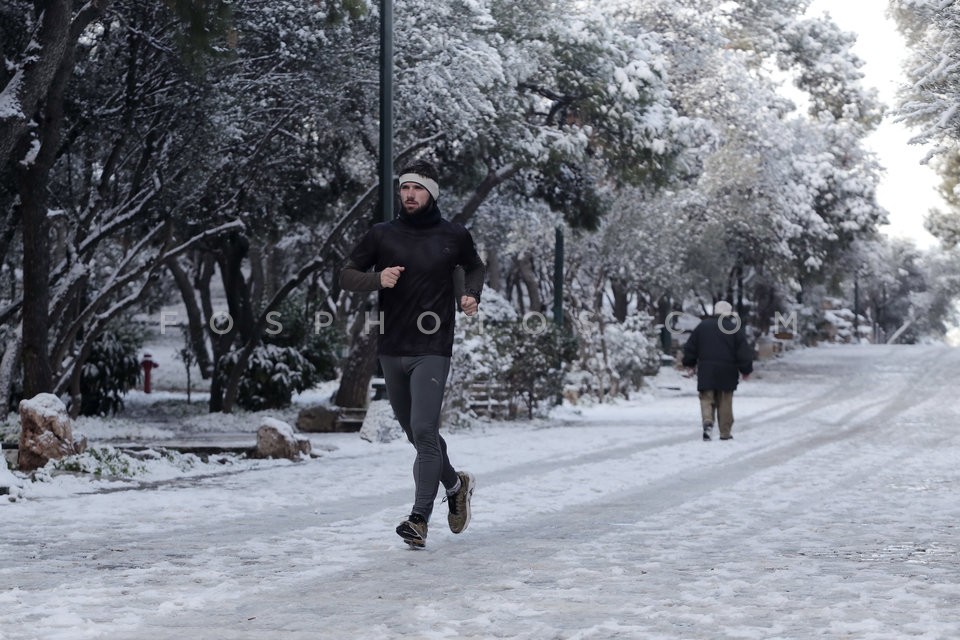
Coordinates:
494 269
235 285
619 300
8 368
739 301
360 366
40 66
230 261
529 278
41 99
220 343
194 318
483 190
257 285
37 371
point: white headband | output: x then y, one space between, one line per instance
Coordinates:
423 181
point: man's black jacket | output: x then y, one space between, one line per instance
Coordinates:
719 352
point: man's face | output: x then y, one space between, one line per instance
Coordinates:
414 197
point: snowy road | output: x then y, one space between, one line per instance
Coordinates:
833 514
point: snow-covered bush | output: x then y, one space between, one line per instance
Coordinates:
632 353
476 358
110 462
519 361
112 369
318 346
10 427
272 375
613 357
99 461
10 485
535 376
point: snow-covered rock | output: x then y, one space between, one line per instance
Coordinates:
277 439
46 432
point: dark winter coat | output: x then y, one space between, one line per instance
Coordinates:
720 356
429 248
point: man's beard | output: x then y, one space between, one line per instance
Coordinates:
417 211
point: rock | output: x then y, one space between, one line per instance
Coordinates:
277 439
46 432
379 424
317 419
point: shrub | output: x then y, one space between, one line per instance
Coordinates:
536 372
501 350
112 369
272 376
319 346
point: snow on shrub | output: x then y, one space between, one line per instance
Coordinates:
272 376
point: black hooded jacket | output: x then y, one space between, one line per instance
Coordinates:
429 248
719 355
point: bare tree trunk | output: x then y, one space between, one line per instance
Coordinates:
230 261
529 278
483 190
619 300
8 368
354 388
220 343
494 269
235 284
739 301
257 278
10 226
194 318
42 99
37 371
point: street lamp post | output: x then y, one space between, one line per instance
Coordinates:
386 110
856 306
558 302
558 278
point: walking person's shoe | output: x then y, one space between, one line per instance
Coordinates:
707 428
459 516
413 530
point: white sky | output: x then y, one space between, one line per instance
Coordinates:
908 189
831 514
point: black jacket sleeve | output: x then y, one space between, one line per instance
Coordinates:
690 349
474 271
355 274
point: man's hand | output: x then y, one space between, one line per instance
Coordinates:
746 376
469 305
389 277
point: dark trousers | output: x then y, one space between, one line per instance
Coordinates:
415 386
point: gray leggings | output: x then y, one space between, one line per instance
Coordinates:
415 386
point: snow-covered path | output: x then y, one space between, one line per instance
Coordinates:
833 514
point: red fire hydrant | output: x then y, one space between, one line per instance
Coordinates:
148 365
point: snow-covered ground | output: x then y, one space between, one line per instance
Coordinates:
832 514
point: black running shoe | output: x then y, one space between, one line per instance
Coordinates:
413 530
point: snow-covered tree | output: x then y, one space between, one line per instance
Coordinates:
930 99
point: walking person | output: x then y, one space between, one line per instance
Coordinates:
413 259
719 351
